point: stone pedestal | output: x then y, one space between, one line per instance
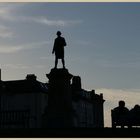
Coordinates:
59 99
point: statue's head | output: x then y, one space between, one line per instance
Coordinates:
58 33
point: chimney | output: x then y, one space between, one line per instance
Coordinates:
101 95
93 91
76 82
31 77
92 94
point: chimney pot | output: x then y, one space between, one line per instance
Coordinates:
31 77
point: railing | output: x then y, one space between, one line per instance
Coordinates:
14 119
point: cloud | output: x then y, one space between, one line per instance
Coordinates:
43 20
5 32
114 63
36 44
6 12
23 66
112 96
83 42
16 66
10 49
50 22
46 58
39 66
10 12
18 48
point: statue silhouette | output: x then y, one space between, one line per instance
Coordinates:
58 49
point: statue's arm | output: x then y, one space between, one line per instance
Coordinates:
53 47
65 44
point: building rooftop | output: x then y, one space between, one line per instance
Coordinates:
28 85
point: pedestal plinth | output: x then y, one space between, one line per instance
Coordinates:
59 99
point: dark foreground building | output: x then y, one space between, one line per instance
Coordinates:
22 103
87 105
60 103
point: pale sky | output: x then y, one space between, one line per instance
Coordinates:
103 45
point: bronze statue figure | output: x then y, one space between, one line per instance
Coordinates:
58 49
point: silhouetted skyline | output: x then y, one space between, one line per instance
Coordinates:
102 45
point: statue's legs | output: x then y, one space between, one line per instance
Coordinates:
56 62
63 62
